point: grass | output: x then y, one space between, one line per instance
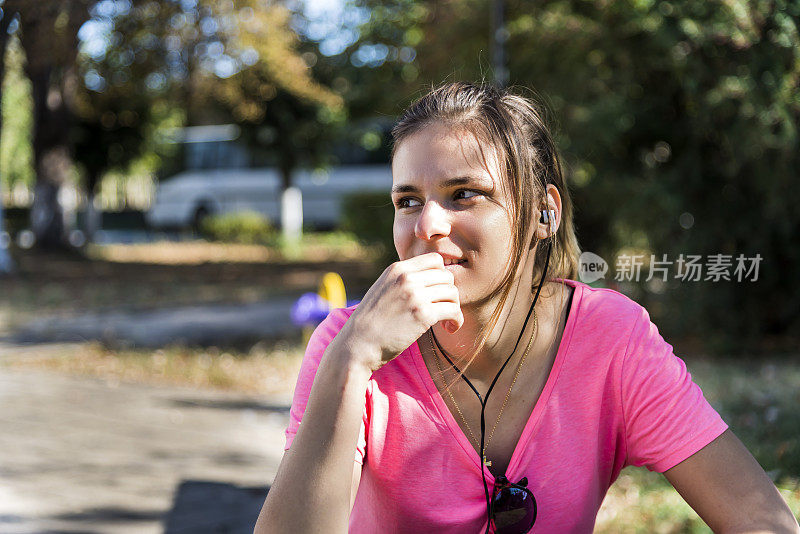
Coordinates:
642 502
758 399
325 244
265 369
313 247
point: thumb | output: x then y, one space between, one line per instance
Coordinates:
454 326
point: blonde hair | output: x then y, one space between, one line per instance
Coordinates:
515 127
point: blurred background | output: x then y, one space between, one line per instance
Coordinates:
178 177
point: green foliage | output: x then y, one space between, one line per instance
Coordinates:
314 246
758 400
370 217
240 227
144 64
16 152
267 88
663 108
114 105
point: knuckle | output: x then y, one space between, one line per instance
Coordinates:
396 268
421 314
403 278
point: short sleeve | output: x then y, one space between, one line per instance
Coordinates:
667 418
319 341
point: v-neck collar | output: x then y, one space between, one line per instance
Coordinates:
530 426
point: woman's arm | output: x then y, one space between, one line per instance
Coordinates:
729 490
312 488
356 482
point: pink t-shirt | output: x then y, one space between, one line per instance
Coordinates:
616 396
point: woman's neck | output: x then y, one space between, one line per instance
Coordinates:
504 335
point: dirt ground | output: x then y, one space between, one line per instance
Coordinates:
177 439
99 456
63 284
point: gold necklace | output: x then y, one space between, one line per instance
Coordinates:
505 401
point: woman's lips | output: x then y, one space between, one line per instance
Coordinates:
454 266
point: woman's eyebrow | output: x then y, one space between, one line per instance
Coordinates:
450 182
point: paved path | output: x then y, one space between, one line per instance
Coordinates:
85 455
189 325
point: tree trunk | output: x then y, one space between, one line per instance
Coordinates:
94 218
48 34
6 263
291 208
52 161
292 215
47 215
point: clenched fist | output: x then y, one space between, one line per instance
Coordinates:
407 299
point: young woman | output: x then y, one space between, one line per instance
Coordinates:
478 387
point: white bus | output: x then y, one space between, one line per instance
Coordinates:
218 181
185 199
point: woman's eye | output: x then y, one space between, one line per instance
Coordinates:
405 202
468 192
461 194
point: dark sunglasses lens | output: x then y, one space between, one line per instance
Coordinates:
513 511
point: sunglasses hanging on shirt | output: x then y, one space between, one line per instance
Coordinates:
511 507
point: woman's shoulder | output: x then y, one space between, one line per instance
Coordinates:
605 308
324 333
336 319
343 314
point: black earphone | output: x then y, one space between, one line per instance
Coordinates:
548 216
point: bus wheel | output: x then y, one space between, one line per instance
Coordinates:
200 215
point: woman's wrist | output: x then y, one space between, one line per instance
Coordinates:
358 351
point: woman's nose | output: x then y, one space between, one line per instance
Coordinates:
433 221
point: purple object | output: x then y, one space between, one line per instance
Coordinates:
311 309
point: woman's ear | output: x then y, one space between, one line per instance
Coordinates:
545 223
549 215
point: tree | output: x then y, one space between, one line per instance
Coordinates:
16 152
276 99
687 110
6 263
157 56
123 98
215 60
265 85
48 33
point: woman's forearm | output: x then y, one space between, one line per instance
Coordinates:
311 491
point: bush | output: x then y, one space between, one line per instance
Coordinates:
242 227
370 217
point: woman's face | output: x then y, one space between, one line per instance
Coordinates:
449 199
